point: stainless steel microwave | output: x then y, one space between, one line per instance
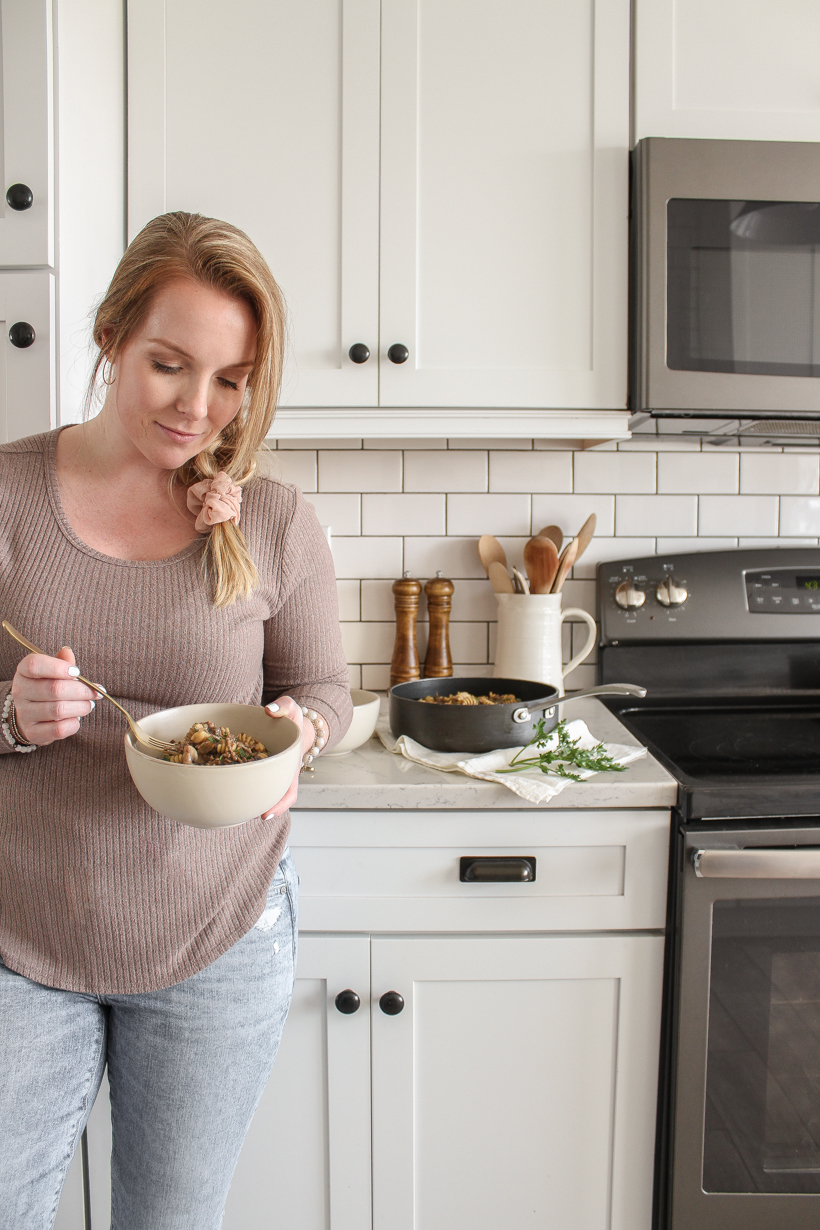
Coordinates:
725 279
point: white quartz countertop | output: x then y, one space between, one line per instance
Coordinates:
373 778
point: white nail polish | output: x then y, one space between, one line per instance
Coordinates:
74 671
93 704
272 707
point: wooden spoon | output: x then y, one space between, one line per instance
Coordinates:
568 558
585 535
500 579
490 549
541 562
553 533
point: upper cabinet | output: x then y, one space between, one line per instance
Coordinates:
27 213
440 187
737 69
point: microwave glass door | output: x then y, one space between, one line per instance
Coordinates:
743 287
762 1115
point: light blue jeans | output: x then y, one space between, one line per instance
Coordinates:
186 1066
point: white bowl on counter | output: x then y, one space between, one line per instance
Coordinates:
233 793
365 716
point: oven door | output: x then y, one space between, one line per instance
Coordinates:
746 1145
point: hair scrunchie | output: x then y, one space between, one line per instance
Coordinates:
213 501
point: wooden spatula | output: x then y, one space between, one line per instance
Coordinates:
568 557
541 562
585 535
553 533
490 549
500 579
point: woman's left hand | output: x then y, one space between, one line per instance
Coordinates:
286 706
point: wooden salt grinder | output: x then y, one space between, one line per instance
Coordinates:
439 662
405 664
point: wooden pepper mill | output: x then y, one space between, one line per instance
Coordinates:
439 661
405 663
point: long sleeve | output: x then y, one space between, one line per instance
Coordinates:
303 653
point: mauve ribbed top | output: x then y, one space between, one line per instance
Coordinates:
98 892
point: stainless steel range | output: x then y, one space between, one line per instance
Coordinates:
728 645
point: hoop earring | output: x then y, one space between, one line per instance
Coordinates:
108 379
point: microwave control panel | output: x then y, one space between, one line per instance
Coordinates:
711 596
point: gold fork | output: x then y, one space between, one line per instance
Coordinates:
159 745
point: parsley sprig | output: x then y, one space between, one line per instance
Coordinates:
565 752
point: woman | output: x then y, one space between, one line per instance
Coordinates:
164 951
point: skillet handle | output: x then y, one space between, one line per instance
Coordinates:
524 714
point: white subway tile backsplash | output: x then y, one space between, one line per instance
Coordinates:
422 505
295 467
403 514
615 472
569 512
782 474
698 473
727 515
799 515
347 592
367 557
368 642
446 471
359 471
488 514
453 557
655 514
530 471
341 512
611 548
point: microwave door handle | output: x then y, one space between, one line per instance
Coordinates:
802 863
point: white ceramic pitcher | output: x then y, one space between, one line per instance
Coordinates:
529 638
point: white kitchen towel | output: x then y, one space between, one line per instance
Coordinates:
532 784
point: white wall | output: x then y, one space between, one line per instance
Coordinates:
90 43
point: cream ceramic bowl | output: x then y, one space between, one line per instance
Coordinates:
365 715
233 793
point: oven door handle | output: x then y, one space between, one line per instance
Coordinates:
802 863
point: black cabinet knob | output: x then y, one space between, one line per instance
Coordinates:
391 1003
22 334
19 197
348 1002
358 353
398 353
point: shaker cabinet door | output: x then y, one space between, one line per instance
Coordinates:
265 113
306 1159
27 374
26 193
517 1085
504 168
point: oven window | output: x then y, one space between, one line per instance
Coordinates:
743 287
762 1121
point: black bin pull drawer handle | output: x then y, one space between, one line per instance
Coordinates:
498 869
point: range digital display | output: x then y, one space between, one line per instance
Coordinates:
808 582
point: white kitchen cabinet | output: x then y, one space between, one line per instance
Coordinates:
306 1159
738 69
27 235
446 176
505 128
266 113
27 374
518 1085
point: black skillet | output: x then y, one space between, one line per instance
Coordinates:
482 728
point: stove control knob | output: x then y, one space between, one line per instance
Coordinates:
670 593
628 597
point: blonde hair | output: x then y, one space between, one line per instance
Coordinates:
218 255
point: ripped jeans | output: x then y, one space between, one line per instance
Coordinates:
187 1066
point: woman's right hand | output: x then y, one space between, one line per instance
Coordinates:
48 699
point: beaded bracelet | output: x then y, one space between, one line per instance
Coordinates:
10 731
320 739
